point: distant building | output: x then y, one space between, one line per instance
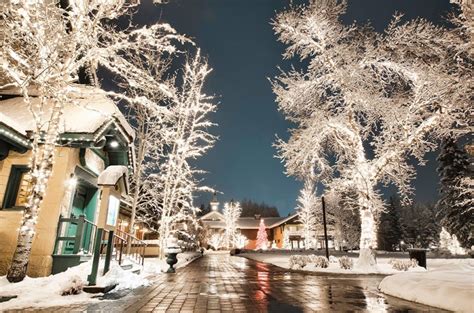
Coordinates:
283 232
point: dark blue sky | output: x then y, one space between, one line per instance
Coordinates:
238 40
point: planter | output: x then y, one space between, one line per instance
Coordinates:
171 260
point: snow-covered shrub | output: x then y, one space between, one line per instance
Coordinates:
333 259
321 261
311 258
346 263
403 265
73 286
298 261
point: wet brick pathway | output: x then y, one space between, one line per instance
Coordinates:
221 283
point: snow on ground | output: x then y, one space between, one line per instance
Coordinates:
282 259
449 286
46 291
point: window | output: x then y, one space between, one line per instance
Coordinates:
18 187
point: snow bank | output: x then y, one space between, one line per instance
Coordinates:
46 291
449 287
282 260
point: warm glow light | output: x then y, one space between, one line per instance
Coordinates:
71 182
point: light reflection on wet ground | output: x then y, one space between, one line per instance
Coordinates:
221 283
278 289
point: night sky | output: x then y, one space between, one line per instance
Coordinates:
237 38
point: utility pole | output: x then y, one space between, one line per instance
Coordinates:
325 228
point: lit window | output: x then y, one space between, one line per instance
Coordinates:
23 190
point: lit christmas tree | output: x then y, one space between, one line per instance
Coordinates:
262 239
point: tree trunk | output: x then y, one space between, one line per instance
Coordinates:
40 175
17 270
41 168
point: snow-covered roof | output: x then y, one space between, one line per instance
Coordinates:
111 175
213 215
89 109
270 222
4 119
214 224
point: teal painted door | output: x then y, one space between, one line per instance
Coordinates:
83 203
89 212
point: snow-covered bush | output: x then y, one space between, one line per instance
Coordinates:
346 263
321 261
73 286
333 259
403 265
299 261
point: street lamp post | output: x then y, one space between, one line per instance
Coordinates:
325 228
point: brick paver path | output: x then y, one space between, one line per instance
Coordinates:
221 283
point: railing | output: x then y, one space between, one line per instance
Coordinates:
77 235
134 247
82 239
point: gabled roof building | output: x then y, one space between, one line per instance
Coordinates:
95 149
282 232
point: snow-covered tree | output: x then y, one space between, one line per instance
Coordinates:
367 101
307 207
455 206
216 241
450 243
45 44
343 216
262 237
241 241
189 139
232 211
151 119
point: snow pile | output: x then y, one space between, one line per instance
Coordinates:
449 287
122 278
47 291
73 286
66 288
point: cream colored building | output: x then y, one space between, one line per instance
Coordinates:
93 136
283 232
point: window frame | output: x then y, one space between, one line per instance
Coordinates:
13 187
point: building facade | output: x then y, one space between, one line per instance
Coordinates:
94 137
282 232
